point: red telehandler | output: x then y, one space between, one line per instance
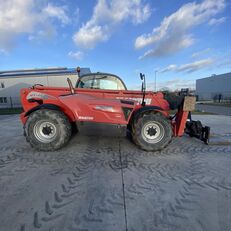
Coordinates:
99 99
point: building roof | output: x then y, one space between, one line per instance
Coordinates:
42 71
214 76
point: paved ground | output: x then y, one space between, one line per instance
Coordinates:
99 184
220 128
220 110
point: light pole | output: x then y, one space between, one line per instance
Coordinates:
155 79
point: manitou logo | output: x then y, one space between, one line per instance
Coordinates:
37 95
138 100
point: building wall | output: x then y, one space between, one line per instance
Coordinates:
211 87
46 80
10 86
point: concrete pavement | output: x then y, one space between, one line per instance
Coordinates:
108 184
220 110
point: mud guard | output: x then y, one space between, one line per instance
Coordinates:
43 106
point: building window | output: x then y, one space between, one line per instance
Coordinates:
3 99
2 85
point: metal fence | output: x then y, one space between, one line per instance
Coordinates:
222 98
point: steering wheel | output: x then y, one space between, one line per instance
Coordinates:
37 84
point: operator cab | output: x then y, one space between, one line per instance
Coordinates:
102 81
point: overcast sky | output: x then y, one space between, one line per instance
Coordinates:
182 40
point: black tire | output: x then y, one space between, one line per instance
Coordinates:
152 132
48 130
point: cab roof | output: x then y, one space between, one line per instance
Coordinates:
101 73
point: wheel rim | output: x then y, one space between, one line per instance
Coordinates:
153 132
45 131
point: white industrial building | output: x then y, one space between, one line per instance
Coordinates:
12 81
215 87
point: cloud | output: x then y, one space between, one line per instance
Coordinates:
195 66
171 67
169 46
3 51
189 67
106 16
216 21
225 62
201 53
88 36
26 17
173 34
47 32
56 12
172 85
76 55
177 84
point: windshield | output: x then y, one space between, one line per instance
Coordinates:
104 81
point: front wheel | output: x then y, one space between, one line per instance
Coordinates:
48 130
152 132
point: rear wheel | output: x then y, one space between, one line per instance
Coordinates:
48 130
152 132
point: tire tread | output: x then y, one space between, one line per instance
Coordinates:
60 118
137 137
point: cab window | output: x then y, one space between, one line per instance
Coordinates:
101 82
